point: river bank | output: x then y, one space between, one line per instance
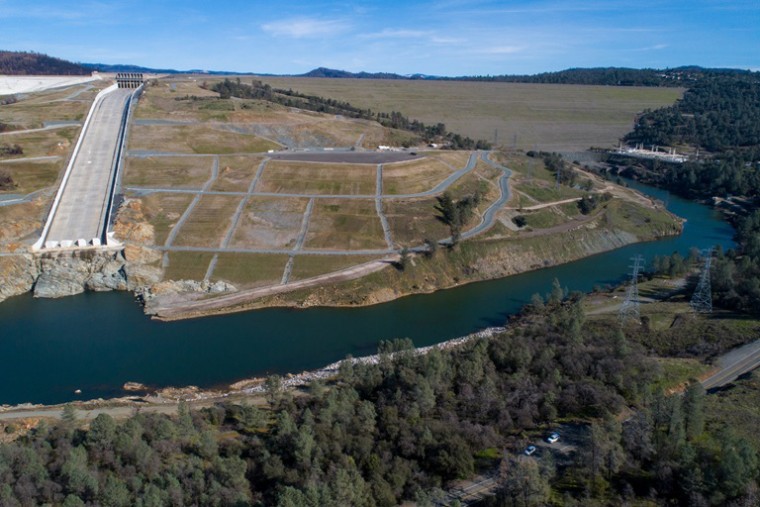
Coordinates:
166 399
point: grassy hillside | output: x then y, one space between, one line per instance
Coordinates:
544 116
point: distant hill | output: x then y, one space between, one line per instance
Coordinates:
18 63
610 76
104 67
332 73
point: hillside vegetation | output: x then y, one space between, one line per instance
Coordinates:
16 63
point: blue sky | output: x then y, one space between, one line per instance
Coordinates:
444 37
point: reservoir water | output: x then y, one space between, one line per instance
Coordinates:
97 341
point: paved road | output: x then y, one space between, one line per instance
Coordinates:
490 214
734 364
83 204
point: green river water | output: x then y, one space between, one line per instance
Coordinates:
97 341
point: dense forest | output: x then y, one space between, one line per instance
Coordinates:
429 133
719 116
17 63
402 428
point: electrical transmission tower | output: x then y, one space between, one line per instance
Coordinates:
701 300
629 311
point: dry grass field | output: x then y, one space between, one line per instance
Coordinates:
167 172
414 220
162 212
208 222
318 178
414 176
43 143
200 139
236 172
345 224
32 176
52 105
544 116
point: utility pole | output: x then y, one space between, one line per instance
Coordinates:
630 310
701 300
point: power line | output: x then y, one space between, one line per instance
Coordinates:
701 300
630 310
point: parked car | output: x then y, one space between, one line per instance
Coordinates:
530 450
552 438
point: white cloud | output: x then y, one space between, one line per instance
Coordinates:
656 47
389 33
299 28
500 50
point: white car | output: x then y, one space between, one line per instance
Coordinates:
530 450
552 438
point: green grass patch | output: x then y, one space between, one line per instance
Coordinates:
677 371
32 176
737 407
543 193
187 265
250 270
543 219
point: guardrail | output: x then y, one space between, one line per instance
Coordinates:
107 237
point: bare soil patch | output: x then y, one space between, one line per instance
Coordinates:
270 222
307 266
